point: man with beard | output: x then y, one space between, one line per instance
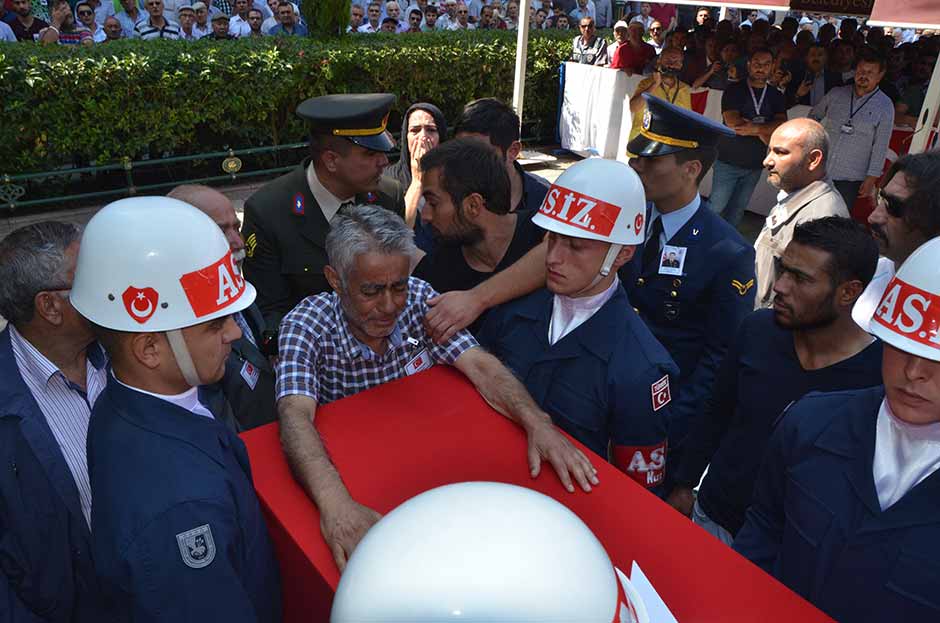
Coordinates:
62 28
248 382
808 342
796 166
465 187
26 26
812 82
907 214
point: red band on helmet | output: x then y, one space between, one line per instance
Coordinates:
579 210
213 287
644 464
911 313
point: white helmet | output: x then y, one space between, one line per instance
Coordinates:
597 199
483 551
908 316
150 264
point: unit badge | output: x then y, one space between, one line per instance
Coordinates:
197 547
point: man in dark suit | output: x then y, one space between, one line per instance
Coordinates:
812 79
51 374
695 314
286 221
248 383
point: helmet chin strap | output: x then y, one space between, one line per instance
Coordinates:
183 359
612 253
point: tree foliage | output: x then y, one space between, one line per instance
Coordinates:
131 98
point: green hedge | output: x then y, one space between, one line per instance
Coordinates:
130 98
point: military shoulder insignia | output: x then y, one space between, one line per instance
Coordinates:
251 243
742 288
197 546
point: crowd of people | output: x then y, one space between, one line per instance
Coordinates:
613 305
859 82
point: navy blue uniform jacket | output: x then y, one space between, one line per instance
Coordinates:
695 316
157 473
596 381
817 526
45 544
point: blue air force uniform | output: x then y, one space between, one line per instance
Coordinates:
177 531
698 285
606 383
816 523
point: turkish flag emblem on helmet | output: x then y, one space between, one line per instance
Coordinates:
140 303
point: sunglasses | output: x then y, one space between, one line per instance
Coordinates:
85 13
892 205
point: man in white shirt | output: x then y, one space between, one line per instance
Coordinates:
463 18
448 15
374 15
86 17
238 26
201 28
187 22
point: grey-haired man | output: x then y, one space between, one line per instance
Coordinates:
368 331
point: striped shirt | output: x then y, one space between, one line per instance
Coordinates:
861 153
66 407
320 357
146 31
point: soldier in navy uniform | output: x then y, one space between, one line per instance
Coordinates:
287 220
694 311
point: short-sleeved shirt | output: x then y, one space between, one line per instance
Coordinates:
74 37
680 95
28 34
748 152
320 357
625 56
446 268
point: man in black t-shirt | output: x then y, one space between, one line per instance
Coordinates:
466 190
753 109
26 26
807 343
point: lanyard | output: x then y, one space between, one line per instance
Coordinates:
853 110
757 104
675 94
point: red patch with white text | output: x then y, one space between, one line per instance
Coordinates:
140 303
660 392
580 210
214 287
644 464
910 312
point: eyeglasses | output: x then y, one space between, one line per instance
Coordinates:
892 205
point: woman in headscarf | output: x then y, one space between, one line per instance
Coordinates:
422 129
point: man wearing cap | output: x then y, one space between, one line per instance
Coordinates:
187 17
286 221
220 30
580 349
177 530
202 27
693 310
845 508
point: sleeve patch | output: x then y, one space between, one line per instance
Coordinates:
644 464
660 393
742 288
197 547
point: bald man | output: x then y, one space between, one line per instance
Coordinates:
248 383
796 166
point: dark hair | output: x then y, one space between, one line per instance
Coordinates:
761 50
869 55
254 10
853 253
493 118
922 208
83 3
469 165
705 155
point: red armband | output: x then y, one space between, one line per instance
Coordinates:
644 464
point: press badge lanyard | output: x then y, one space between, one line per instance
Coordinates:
853 110
758 104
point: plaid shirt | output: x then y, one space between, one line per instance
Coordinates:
320 358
